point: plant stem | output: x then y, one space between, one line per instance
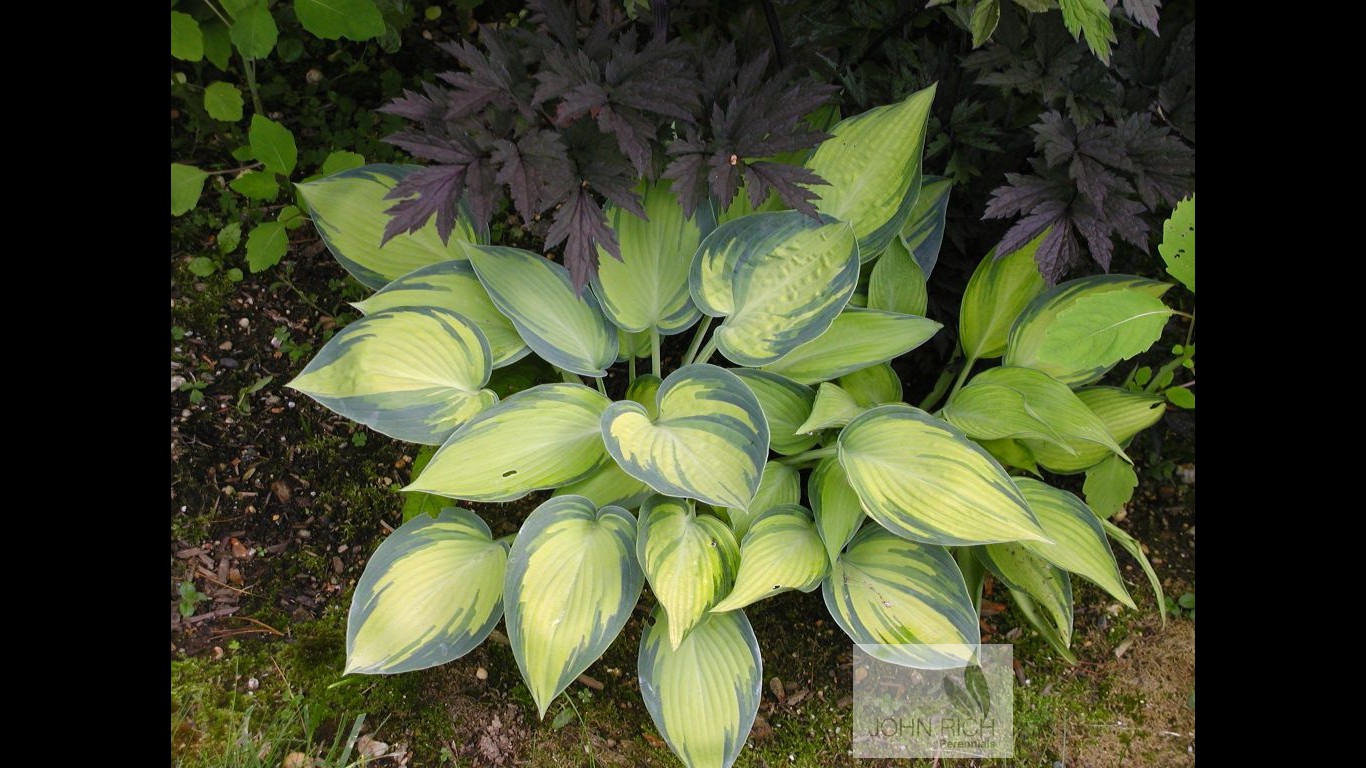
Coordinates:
602 386
940 387
1190 332
962 376
702 327
569 378
708 350
654 352
631 368
249 68
809 456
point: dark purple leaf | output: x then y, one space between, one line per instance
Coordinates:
429 192
582 226
791 182
1144 12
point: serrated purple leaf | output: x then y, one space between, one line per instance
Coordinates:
791 182
429 192
1144 12
582 226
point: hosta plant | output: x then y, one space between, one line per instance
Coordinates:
778 455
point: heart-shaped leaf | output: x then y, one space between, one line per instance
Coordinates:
781 552
689 559
786 404
872 386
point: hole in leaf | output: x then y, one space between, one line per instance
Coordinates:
510 473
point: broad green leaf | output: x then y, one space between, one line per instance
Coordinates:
924 480
348 209
571 583
708 443
779 279
997 293
704 694
1042 624
430 594
833 407
632 345
339 161
223 102
1011 453
453 285
1131 545
780 552
187 41
415 504
904 602
648 287
187 184
414 374
335 19
609 486
566 330
1178 243
1181 397
1078 330
874 385
872 162
858 338
1109 486
1023 403
229 237
543 437
1079 544
253 30
923 232
1124 415
780 485
217 43
273 145
835 506
266 245
645 390
256 185
1023 571
786 404
690 561
1093 18
897 283
985 16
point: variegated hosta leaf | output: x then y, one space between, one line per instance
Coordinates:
872 163
1024 403
632 345
430 594
1130 544
923 232
415 374
1012 453
786 405
874 385
779 279
1079 543
567 330
924 480
1078 330
997 293
897 284
571 583
1124 415
834 504
542 437
609 486
1023 571
781 552
902 601
648 287
689 559
645 390
833 407
348 208
704 694
709 441
857 339
453 285
780 485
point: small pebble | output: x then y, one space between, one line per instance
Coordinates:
243 323
253 683
481 674
227 362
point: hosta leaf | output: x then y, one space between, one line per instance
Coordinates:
923 479
1023 571
1021 402
833 407
645 390
1124 415
1080 329
690 561
648 287
897 284
609 486
908 598
571 583
857 339
414 374
453 285
1079 544
997 293
431 593
708 443
542 437
348 209
780 485
1131 545
778 278
1109 486
632 345
874 385
781 552
786 404
923 232
872 163
834 504
704 694
1178 243
567 330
